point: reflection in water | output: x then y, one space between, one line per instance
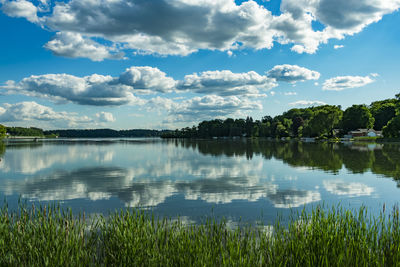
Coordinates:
31 161
217 172
381 159
2 149
101 183
294 198
348 189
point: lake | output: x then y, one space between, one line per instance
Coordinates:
241 180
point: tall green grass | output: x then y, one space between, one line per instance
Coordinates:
50 236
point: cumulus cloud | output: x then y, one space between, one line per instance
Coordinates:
345 82
105 90
292 73
338 46
105 117
181 27
32 111
97 90
340 18
167 27
205 107
74 45
225 83
147 79
306 103
20 9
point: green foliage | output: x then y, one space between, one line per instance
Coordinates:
392 129
3 131
21 131
383 112
323 121
357 117
46 236
49 236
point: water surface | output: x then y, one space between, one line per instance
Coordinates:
240 180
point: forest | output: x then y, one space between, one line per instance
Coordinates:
321 121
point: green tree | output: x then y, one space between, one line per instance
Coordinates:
3 131
392 129
382 113
324 120
356 117
265 129
281 130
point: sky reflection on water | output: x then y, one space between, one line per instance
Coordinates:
239 180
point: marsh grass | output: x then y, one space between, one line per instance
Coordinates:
51 236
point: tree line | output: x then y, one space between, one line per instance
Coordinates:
321 121
77 133
93 133
21 131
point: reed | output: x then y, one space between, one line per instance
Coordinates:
51 236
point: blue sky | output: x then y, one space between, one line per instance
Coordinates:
172 63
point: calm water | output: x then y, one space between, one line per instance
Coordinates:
240 180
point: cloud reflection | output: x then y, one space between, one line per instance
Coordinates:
350 189
145 176
294 198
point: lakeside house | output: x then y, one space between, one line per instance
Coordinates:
363 133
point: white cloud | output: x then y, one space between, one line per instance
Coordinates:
20 9
344 82
32 111
74 45
292 73
340 19
225 83
177 27
147 79
181 27
338 46
204 108
105 90
374 74
97 90
105 117
307 103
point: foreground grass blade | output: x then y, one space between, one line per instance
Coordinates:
50 236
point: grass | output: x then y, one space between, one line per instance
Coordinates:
50 236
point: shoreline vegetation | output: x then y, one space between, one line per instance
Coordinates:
49 236
327 122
